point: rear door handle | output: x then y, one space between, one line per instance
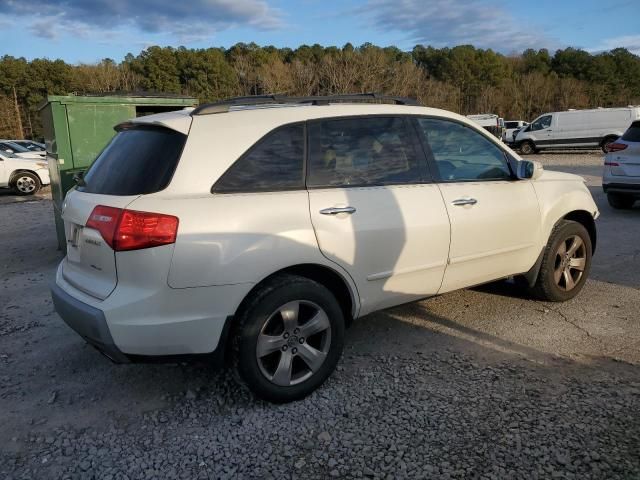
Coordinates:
337 210
464 201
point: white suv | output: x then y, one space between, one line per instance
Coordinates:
621 176
256 229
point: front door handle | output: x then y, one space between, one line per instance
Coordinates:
337 210
464 201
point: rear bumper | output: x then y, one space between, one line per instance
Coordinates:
88 322
157 323
632 189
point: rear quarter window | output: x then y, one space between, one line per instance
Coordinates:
274 163
633 133
138 160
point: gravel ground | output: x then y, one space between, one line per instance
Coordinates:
7 196
481 383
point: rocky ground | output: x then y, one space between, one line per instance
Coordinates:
481 383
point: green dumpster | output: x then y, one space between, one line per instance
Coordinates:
77 128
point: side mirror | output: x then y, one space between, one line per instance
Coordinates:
527 169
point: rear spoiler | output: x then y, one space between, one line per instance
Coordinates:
180 121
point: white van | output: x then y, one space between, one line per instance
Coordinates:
490 122
576 129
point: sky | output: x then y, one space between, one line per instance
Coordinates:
86 31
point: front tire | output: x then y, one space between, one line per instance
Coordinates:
565 264
289 338
527 148
26 183
620 202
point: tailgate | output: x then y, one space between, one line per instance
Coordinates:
90 264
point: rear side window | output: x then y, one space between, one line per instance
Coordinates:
137 161
361 152
633 133
274 163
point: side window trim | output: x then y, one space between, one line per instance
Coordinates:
431 161
425 174
256 144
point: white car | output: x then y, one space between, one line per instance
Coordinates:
621 178
20 151
258 228
24 175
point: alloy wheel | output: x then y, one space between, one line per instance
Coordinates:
570 262
293 343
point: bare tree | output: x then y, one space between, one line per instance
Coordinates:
275 77
304 77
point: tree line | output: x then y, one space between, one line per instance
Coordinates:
463 79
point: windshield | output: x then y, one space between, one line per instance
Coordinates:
541 123
16 147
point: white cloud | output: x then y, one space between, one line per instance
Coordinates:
192 19
630 42
441 23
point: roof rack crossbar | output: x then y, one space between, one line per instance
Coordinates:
256 100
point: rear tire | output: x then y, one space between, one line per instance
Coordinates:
620 202
26 183
527 148
565 264
606 142
288 339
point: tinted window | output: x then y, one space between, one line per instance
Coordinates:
461 153
138 160
362 151
541 123
7 148
511 125
633 133
34 147
274 163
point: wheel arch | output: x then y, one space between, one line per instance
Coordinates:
18 171
580 216
334 281
586 220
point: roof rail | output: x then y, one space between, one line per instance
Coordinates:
255 100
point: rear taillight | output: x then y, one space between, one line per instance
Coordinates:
615 147
105 220
143 230
133 230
